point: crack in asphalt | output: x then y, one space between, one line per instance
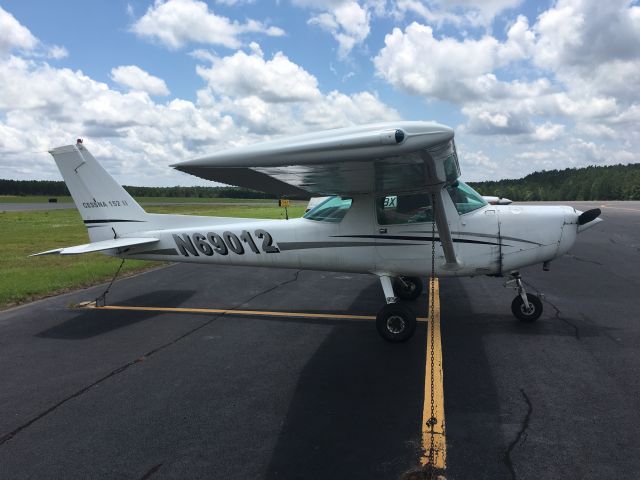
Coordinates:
8 436
576 330
633 245
558 313
151 471
295 278
580 259
522 435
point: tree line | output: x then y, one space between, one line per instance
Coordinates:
614 182
59 188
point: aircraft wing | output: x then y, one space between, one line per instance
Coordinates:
98 246
385 158
390 157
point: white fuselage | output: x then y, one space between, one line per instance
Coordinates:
491 240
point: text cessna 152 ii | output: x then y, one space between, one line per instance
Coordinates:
395 198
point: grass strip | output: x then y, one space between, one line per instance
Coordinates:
22 233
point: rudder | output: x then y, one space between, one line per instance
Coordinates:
100 200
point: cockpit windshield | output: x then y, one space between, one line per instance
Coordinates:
465 198
448 156
332 210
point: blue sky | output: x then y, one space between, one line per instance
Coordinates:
526 85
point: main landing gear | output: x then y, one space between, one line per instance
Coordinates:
396 322
526 307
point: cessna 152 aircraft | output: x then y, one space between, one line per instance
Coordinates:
395 200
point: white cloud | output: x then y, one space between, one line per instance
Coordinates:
480 13
591 47
548 132
275 96
274 80
454 70
45 106
175 23
579 68
57 52
486 119
460 13
135 78
590 153
42 106
348 21
234 2
548 92
13 35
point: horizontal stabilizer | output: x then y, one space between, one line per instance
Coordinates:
99 246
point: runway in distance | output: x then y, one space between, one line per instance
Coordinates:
394 200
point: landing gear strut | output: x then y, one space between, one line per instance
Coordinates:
408 288
526 307
395 322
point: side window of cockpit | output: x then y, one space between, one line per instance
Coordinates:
332 210
400 209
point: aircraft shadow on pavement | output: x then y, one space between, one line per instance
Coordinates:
475 444
356 409
90 323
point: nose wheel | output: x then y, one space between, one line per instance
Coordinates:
526 307
526 313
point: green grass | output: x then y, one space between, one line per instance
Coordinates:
32 198
27 278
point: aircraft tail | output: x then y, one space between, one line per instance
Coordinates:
105 207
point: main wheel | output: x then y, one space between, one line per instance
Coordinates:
522 313
396 323
409 288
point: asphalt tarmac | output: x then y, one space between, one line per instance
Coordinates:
142 394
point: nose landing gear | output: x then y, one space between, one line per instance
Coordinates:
408 288
395 322
526 307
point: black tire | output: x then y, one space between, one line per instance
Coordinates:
396 323
411 290
519 310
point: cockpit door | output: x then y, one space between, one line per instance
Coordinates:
404 237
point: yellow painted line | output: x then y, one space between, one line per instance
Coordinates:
620 208
439 436
263 313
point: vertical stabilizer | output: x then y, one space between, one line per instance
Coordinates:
101 201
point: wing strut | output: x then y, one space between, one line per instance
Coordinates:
444 233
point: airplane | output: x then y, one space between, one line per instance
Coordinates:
395 208
492 200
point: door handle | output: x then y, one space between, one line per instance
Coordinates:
382 230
